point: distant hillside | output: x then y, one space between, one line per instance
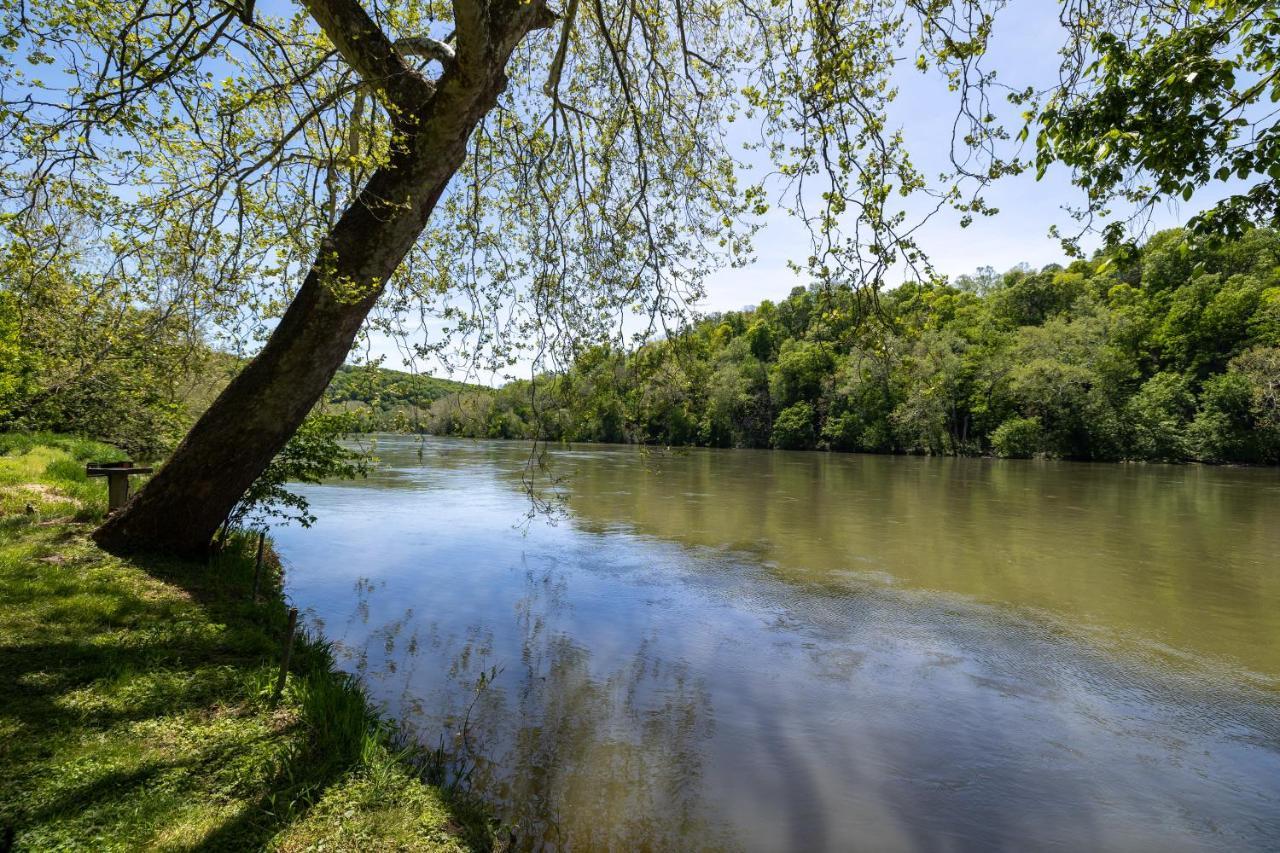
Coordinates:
391 400
386 400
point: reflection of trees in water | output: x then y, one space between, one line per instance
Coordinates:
1137 550
355 657
572 756
614 762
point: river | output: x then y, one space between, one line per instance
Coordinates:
755 650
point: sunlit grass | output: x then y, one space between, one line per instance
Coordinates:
137 704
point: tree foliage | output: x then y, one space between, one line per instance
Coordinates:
215 145
1168 354
79 354
1157 100
315 453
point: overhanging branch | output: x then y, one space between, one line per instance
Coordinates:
367 49
552 87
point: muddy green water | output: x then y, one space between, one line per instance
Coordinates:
752 650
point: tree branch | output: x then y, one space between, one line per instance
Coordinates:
552 87
367 49
520 17
426 47
492 28
471 23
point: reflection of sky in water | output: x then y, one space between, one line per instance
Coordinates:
657 693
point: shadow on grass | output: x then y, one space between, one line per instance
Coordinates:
140 698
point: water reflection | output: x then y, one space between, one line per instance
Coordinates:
734 651
624 747
1181 556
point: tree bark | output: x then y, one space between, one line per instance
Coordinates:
253 418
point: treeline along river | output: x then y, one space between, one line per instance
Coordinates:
766 650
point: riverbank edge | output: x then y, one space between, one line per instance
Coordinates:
679 448
140 710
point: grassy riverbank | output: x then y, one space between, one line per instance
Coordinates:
136 711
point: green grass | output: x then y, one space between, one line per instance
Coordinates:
136 711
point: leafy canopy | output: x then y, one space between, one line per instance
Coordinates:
212 144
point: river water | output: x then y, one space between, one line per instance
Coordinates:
755 650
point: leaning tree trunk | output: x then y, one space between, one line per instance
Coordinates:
251 420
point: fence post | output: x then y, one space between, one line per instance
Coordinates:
257 566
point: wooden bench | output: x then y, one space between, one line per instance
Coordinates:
117 474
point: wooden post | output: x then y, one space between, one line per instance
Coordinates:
257 566
117 490
288 653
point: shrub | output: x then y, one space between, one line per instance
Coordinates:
1158 416
1018 438
793 428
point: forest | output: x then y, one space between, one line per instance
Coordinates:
1167 353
